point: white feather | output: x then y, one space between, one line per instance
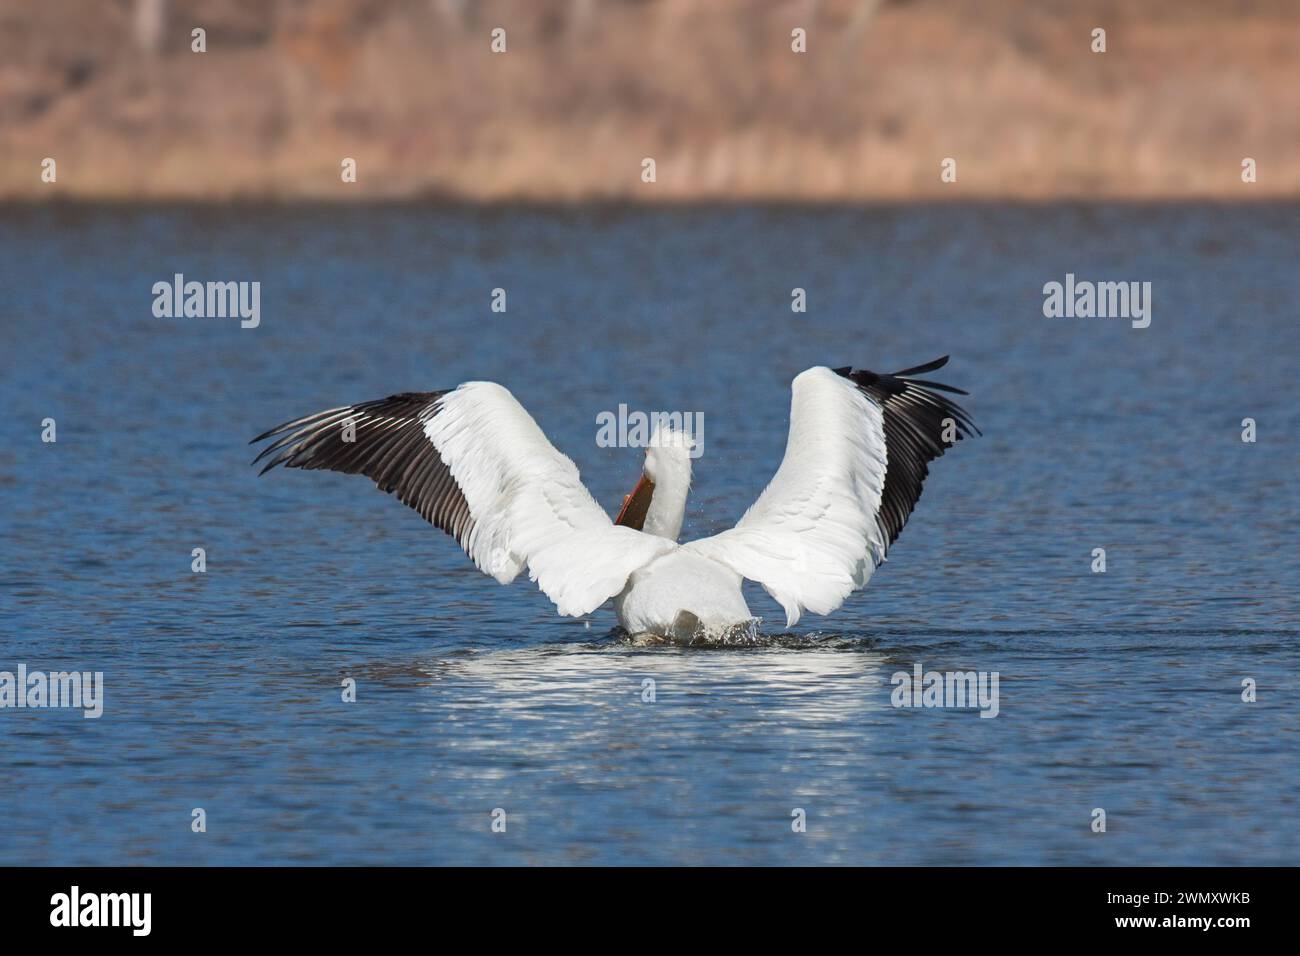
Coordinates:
529 506
812 537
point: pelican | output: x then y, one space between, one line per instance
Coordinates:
475 464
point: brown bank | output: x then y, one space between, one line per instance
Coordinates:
586 90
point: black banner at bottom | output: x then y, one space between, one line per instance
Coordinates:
335 905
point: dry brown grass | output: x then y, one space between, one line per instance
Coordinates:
709 89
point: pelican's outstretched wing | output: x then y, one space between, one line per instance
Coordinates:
473 462
859 450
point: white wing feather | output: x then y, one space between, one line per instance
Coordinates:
812 537
529 505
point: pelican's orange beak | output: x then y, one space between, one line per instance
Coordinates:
632 514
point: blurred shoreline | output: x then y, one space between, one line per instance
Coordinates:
586 90
77 205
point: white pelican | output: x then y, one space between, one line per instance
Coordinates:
473 462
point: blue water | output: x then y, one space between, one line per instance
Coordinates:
1119 691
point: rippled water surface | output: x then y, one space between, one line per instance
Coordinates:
1119 690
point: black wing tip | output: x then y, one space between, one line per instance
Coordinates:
900 381
926 383
287 432
848 371
930 366
277 460
279 429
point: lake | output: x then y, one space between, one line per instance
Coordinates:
1120 690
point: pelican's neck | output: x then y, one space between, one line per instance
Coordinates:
668 504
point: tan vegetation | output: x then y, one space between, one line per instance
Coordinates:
709 88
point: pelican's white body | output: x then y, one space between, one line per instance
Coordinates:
679 592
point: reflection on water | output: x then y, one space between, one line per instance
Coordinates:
224 689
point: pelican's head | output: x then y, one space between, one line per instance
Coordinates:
668 456
657 504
